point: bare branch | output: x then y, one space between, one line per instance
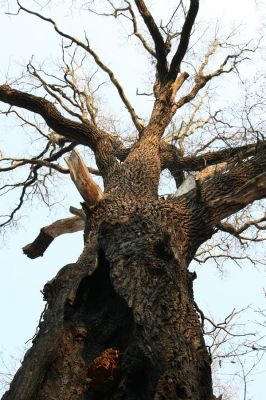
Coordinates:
201 80
128 13
227 227
173 160
25 122
18 162
30 180
98 61
229 192
184 40
51 89
160 48
50 232
137 33
83 133
134 117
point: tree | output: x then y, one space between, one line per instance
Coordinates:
122 321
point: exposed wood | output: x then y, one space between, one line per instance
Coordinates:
82 179
210 171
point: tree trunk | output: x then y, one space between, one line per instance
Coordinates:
121 322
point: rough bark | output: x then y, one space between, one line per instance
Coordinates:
121 322
128 330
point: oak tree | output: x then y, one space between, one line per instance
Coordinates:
122 321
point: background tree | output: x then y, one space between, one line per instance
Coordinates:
122 321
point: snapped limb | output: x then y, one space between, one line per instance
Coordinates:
50 232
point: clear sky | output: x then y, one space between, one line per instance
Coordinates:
21 278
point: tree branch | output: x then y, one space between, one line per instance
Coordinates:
76 131
227 193
19 162
174 161
211 201
201 80
80 175
160 48
51 90
84 133
98 61
184 40
226 227
137 33
89 191
50 232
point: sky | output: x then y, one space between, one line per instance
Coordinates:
21 279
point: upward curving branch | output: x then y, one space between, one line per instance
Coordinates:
160 47
184 40
88 49
137 33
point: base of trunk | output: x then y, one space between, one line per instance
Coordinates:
100 351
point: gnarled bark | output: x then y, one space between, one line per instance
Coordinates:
127 330
121 322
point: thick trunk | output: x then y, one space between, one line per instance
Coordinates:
121 323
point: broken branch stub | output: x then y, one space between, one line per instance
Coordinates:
90 192
49 233
82 179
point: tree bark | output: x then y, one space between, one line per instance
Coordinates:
121 322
